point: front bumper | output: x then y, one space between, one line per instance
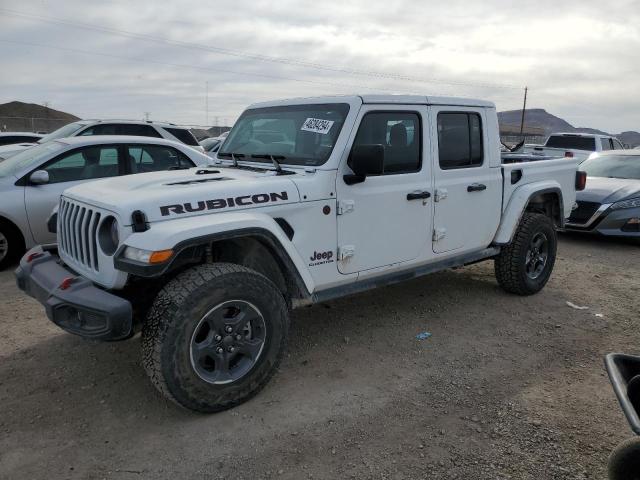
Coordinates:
608 222
72 302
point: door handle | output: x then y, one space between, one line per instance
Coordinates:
476 187
418 195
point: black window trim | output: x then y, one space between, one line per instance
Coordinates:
420 144
466 112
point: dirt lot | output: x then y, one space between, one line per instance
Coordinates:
506 387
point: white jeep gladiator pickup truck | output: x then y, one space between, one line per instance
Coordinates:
307 200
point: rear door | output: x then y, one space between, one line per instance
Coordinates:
468 192
65 171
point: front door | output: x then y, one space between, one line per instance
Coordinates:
386 220
65 171
468 191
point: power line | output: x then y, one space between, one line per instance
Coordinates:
195 67
251 56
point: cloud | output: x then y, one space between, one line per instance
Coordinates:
579 59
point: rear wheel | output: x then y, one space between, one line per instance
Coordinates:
524 266
214 336
624 462
11 244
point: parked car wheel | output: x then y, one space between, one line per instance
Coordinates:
214 336
624 462
524 266
11 244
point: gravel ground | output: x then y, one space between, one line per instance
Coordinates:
506 387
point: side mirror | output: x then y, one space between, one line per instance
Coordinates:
365 160
39 177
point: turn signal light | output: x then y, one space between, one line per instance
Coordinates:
160 256
581 180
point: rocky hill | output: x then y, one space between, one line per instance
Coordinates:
20 116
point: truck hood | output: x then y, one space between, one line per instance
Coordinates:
609 190
183 193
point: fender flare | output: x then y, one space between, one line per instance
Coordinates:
190 245
517 205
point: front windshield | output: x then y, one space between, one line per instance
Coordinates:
63 132
28 158
295 134
613 166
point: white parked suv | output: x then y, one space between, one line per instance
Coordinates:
311 199
32 181
137 128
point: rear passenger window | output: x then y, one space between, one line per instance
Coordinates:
606 144
399 133
102 129
460 140
153 158
138 130
185 136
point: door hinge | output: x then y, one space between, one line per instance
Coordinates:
345 206
441 194
346 251
439 234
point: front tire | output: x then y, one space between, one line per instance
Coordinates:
11 244
524 266
214 336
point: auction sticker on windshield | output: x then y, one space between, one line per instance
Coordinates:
317 125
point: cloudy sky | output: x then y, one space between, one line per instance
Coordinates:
580 59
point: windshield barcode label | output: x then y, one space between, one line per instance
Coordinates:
317 125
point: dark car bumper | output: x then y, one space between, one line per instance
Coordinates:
72 302
614 223
624 373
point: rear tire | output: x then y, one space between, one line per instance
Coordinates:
11 244
524 266
214 336
624 462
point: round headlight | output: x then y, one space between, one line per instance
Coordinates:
108 236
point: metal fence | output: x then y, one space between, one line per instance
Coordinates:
31 124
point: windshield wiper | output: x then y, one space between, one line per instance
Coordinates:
232 156
274 159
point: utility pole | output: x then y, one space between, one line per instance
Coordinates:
524 107
206 101
146 116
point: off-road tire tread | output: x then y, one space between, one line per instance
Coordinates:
166 305
507 265
624 461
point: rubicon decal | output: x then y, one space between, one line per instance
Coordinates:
320 258
218 203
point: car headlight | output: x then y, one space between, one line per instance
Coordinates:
630 203
150 257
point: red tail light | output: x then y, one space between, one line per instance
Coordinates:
581 180
568 154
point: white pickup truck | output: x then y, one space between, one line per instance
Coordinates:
574 145
308 200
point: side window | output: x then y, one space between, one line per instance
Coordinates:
186 137
460 140
617 145
138 130
153 158
102 129
84 164
606 143
399 133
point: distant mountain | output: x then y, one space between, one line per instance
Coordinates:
540 118
20 116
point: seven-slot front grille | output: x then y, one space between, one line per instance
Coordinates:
77 232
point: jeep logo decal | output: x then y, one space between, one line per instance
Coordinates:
320 258
218 203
